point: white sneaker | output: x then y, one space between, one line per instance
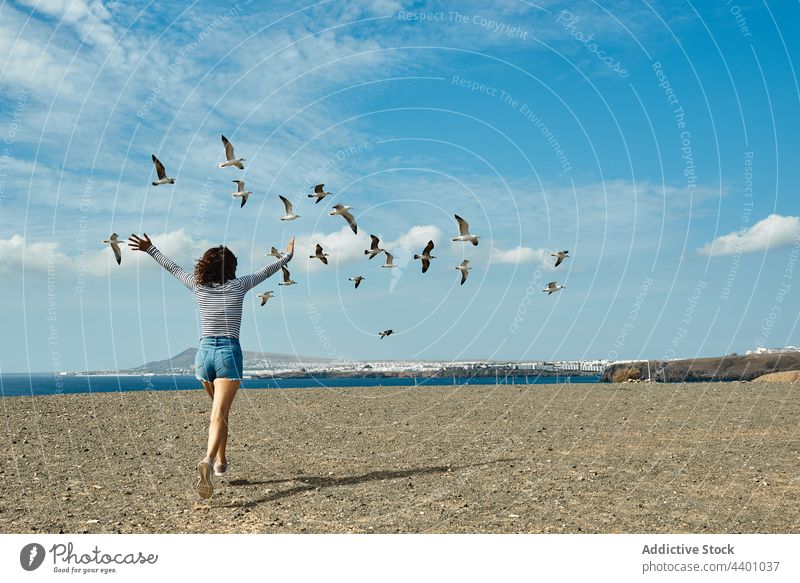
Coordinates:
204 486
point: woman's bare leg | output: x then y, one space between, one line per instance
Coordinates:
223 443
224 393
209 387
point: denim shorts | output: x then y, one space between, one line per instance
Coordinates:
218 357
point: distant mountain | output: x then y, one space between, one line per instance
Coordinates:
185 360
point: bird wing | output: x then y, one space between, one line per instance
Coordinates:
389 258
358 281
428 248
375 242
464 273
463 226
239 185
159 168
425 265
350 221
273 251
319 189
228 148
287 205
263 299
559 260
551 285
286 275
117 252
319 249
244 199
465 263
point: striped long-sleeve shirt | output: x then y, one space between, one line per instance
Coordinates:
220 304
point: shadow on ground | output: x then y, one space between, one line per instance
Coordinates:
320 482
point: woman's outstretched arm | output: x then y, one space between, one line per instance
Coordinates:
252 280
147 246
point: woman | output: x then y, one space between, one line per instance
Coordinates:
218 364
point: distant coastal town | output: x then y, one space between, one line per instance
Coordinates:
258 365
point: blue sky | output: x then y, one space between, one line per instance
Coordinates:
656 142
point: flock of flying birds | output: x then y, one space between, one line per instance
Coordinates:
338 209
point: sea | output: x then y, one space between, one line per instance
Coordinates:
24 384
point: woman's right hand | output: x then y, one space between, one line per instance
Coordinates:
137 244
290 247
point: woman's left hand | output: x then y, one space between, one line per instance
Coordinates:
290 247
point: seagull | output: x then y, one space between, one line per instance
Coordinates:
463 229
373 249
241 192
340 209
386 333
114 242
464 269
289 216
553 287
561 256
162 174
389 260
426 256
287 280
319 193
275 253
320 255
266 296
357 279
231 159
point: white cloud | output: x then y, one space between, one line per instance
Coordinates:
70 10
342 246
177 245
773 231
415 239
27 63
406 245
412 241
89 19
16 256
521 255
94 258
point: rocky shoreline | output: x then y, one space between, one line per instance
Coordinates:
722 368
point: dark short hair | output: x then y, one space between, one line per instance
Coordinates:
217 265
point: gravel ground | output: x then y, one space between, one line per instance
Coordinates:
719 457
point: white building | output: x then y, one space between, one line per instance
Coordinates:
763 350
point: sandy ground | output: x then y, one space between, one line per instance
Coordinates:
720 457
791 376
